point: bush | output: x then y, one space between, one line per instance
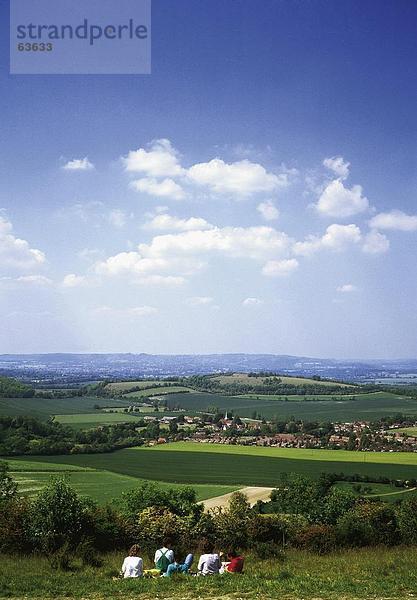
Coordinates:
407 520
14 524
59 518
318 538
368 524
266 550
266 528
153 524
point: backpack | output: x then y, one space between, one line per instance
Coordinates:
163 561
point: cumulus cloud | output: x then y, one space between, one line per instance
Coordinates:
79 164
199 301
71 281
375 243
136 311
338 165
167 188
268 210
280 268
336 200
346 288
182 254
395 220
242 178
165 222
161 160
336 238
252 302
15 252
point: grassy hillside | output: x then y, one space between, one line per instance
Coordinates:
237 465
348 575
244 378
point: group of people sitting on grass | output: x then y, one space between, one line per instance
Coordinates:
210 562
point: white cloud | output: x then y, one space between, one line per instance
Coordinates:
199 301
25 280
339 201
375 243
178 255
136 311
280 268
346 288
250 242
71 281
34 280
338 166
16 253
161 160
117 218
252 302
268 210
165 222
395 220
167 188
336 238
242 178
79 164
165 280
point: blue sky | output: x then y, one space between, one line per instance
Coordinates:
256 193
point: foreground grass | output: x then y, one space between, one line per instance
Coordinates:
367 573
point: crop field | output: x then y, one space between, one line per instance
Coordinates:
158 391
365 406
407 430
125 386
88 420
384 491
101 485
43 408
244 378
216 464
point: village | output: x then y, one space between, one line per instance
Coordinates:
231 429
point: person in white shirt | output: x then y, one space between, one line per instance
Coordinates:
133 564
209 563
164 556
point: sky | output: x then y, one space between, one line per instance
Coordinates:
256 193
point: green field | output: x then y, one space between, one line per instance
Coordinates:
125 386
365 407
243 378
101 485
193 463
43 408
87 420
158 391
407 430
384 491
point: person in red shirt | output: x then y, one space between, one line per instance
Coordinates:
235 562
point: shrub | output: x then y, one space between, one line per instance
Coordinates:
266 528
407 520
14 522
59 518
152 525
318 538
265 550
368 524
